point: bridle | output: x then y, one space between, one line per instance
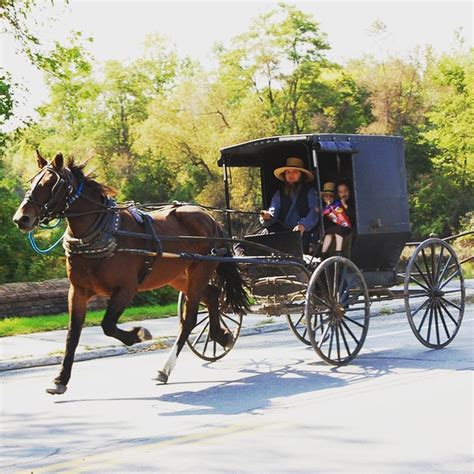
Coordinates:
63 195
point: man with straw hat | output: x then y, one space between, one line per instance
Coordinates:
295 205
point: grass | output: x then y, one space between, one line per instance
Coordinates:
26 325
265 321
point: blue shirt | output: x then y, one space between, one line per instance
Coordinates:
292 218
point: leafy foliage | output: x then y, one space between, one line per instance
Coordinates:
154 127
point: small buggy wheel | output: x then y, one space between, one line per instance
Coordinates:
296 318
297 323
434 293
200 342
337 310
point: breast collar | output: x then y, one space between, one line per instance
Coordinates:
101 240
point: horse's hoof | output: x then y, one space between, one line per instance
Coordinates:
144 335
162 377
59 389
230 342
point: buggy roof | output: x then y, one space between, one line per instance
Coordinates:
257 152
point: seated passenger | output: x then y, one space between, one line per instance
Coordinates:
337 217
295 205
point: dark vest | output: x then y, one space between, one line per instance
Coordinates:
301 203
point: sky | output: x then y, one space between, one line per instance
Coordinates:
119 29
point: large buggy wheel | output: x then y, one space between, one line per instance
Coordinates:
434 293
337 310
200 342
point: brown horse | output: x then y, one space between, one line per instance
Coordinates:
97 264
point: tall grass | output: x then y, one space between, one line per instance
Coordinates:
27 325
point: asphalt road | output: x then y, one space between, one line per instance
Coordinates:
269 406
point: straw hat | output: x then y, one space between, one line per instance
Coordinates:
293 163
329 188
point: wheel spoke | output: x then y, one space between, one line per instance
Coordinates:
434 270
353 299
430 276
360 308
345 341
440 278
353 321
232 319
328 285
330 342
448 313
452 304
321 301
449 279
214 350
438 266
419 283
350 332
200 322
419 307
430 321
338 343
205 345
436 322
221 319
323 336
299 320
322 323
343 286
442 320
423 276
196 340
334 285
424 317
459 290
305 332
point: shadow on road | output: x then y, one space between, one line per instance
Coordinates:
262 383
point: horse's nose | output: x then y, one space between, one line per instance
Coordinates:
22 222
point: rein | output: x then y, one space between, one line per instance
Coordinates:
101 239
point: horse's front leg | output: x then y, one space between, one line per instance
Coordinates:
118 302
77 303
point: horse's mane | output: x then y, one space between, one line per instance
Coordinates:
89 180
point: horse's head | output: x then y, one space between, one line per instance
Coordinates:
49 195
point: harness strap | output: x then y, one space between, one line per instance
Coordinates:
152 245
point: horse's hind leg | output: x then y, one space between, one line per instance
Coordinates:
197 278
77 302
217 333
119 300
186 325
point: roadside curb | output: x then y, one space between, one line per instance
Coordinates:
156 344
153 345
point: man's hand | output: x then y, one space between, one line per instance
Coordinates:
299 228
266 216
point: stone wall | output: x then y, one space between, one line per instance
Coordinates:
46 297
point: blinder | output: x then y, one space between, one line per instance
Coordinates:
62 196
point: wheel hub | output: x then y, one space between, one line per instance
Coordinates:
339 311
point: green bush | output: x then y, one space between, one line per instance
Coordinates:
161 296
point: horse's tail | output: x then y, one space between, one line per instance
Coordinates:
233 287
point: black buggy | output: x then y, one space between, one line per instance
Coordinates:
327 304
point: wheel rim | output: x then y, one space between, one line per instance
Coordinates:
337 310
199 340
434 293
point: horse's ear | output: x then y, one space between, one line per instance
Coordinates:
40 160
58 161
